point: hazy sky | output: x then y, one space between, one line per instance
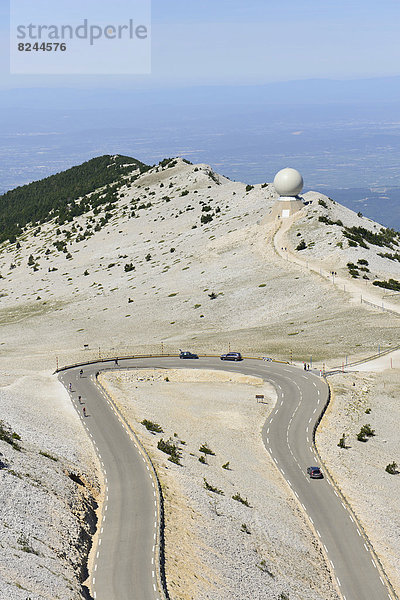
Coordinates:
258 41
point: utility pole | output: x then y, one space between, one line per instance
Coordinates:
291 356
162 347
57 362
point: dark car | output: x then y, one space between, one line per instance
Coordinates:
232 356
187 355
315 472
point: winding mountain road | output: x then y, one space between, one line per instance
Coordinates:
128 536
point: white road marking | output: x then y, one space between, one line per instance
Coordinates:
366 547
338 580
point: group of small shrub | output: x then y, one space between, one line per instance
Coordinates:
207 218
206 450
365 432
263 567
328 221
25 545
360 266
9 436
170 447
151 426
391 468
301 246
239 498
168 163
392 284
211 488
395 256
358 236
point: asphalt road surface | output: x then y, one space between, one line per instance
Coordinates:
125 556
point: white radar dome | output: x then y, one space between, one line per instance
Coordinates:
288 182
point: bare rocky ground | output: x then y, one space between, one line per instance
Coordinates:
217 547
359 469
200 286
48 486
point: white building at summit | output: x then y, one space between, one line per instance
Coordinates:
289 184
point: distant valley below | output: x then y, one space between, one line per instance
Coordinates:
348 152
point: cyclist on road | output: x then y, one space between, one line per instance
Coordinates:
84 411
81 373
70 387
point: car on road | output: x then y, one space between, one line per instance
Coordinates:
231 356
315 473
187 354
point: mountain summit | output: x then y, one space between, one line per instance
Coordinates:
129 256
